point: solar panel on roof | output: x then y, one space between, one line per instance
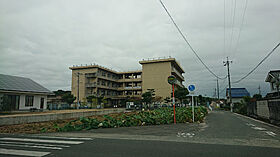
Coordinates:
14 83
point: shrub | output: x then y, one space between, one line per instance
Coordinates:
152 117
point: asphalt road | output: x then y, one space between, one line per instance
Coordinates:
222 134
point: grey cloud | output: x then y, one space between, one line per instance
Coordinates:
41 39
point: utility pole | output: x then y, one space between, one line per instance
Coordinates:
218 92
215 93
259 90
226 63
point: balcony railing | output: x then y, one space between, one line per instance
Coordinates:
90 74
136 87
177 73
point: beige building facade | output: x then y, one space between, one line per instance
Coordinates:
100 81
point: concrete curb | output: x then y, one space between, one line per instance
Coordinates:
257 120
51 117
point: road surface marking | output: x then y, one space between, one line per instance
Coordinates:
258 128
37 144
30 146
182 134
249 124
257 120
270 133
22 152
43 141
66 138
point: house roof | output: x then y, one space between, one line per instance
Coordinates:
238 92
20 84
271 74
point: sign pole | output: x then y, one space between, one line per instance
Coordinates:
192 109
191 89
174 104
172 80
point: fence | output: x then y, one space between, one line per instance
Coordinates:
268 109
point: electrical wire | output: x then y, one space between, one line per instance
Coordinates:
224 28
240 29
258 64
185 39
232 26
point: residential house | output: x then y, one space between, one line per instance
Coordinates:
273 78
20 93
237 94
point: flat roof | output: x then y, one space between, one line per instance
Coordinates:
103 68
172 60
77 67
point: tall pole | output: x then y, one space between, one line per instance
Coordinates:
218 92
78 90
193 108
259 89
229 85
174 104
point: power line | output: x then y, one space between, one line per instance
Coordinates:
232 26
258 64
185 39
224 27
241 26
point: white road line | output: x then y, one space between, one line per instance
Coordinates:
249 124
270 133
69 138
43 141
30 146
257 120
22 152
37 144
258 128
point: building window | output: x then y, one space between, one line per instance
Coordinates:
29 100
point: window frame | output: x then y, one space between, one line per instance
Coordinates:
29 100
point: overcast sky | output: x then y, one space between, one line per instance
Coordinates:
41 39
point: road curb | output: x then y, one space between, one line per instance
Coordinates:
257 120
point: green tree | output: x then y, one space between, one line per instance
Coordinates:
60 92
91 98
257 96
68 98
181 93
148 96
242 107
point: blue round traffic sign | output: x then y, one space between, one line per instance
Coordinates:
191 88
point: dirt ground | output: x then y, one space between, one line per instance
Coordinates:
33 128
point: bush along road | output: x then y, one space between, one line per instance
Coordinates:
150 117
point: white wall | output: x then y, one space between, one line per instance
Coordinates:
262 109
36 102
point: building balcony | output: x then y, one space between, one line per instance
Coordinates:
130 88
130 80
92 84
176 73
98 85
131 96
88 75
